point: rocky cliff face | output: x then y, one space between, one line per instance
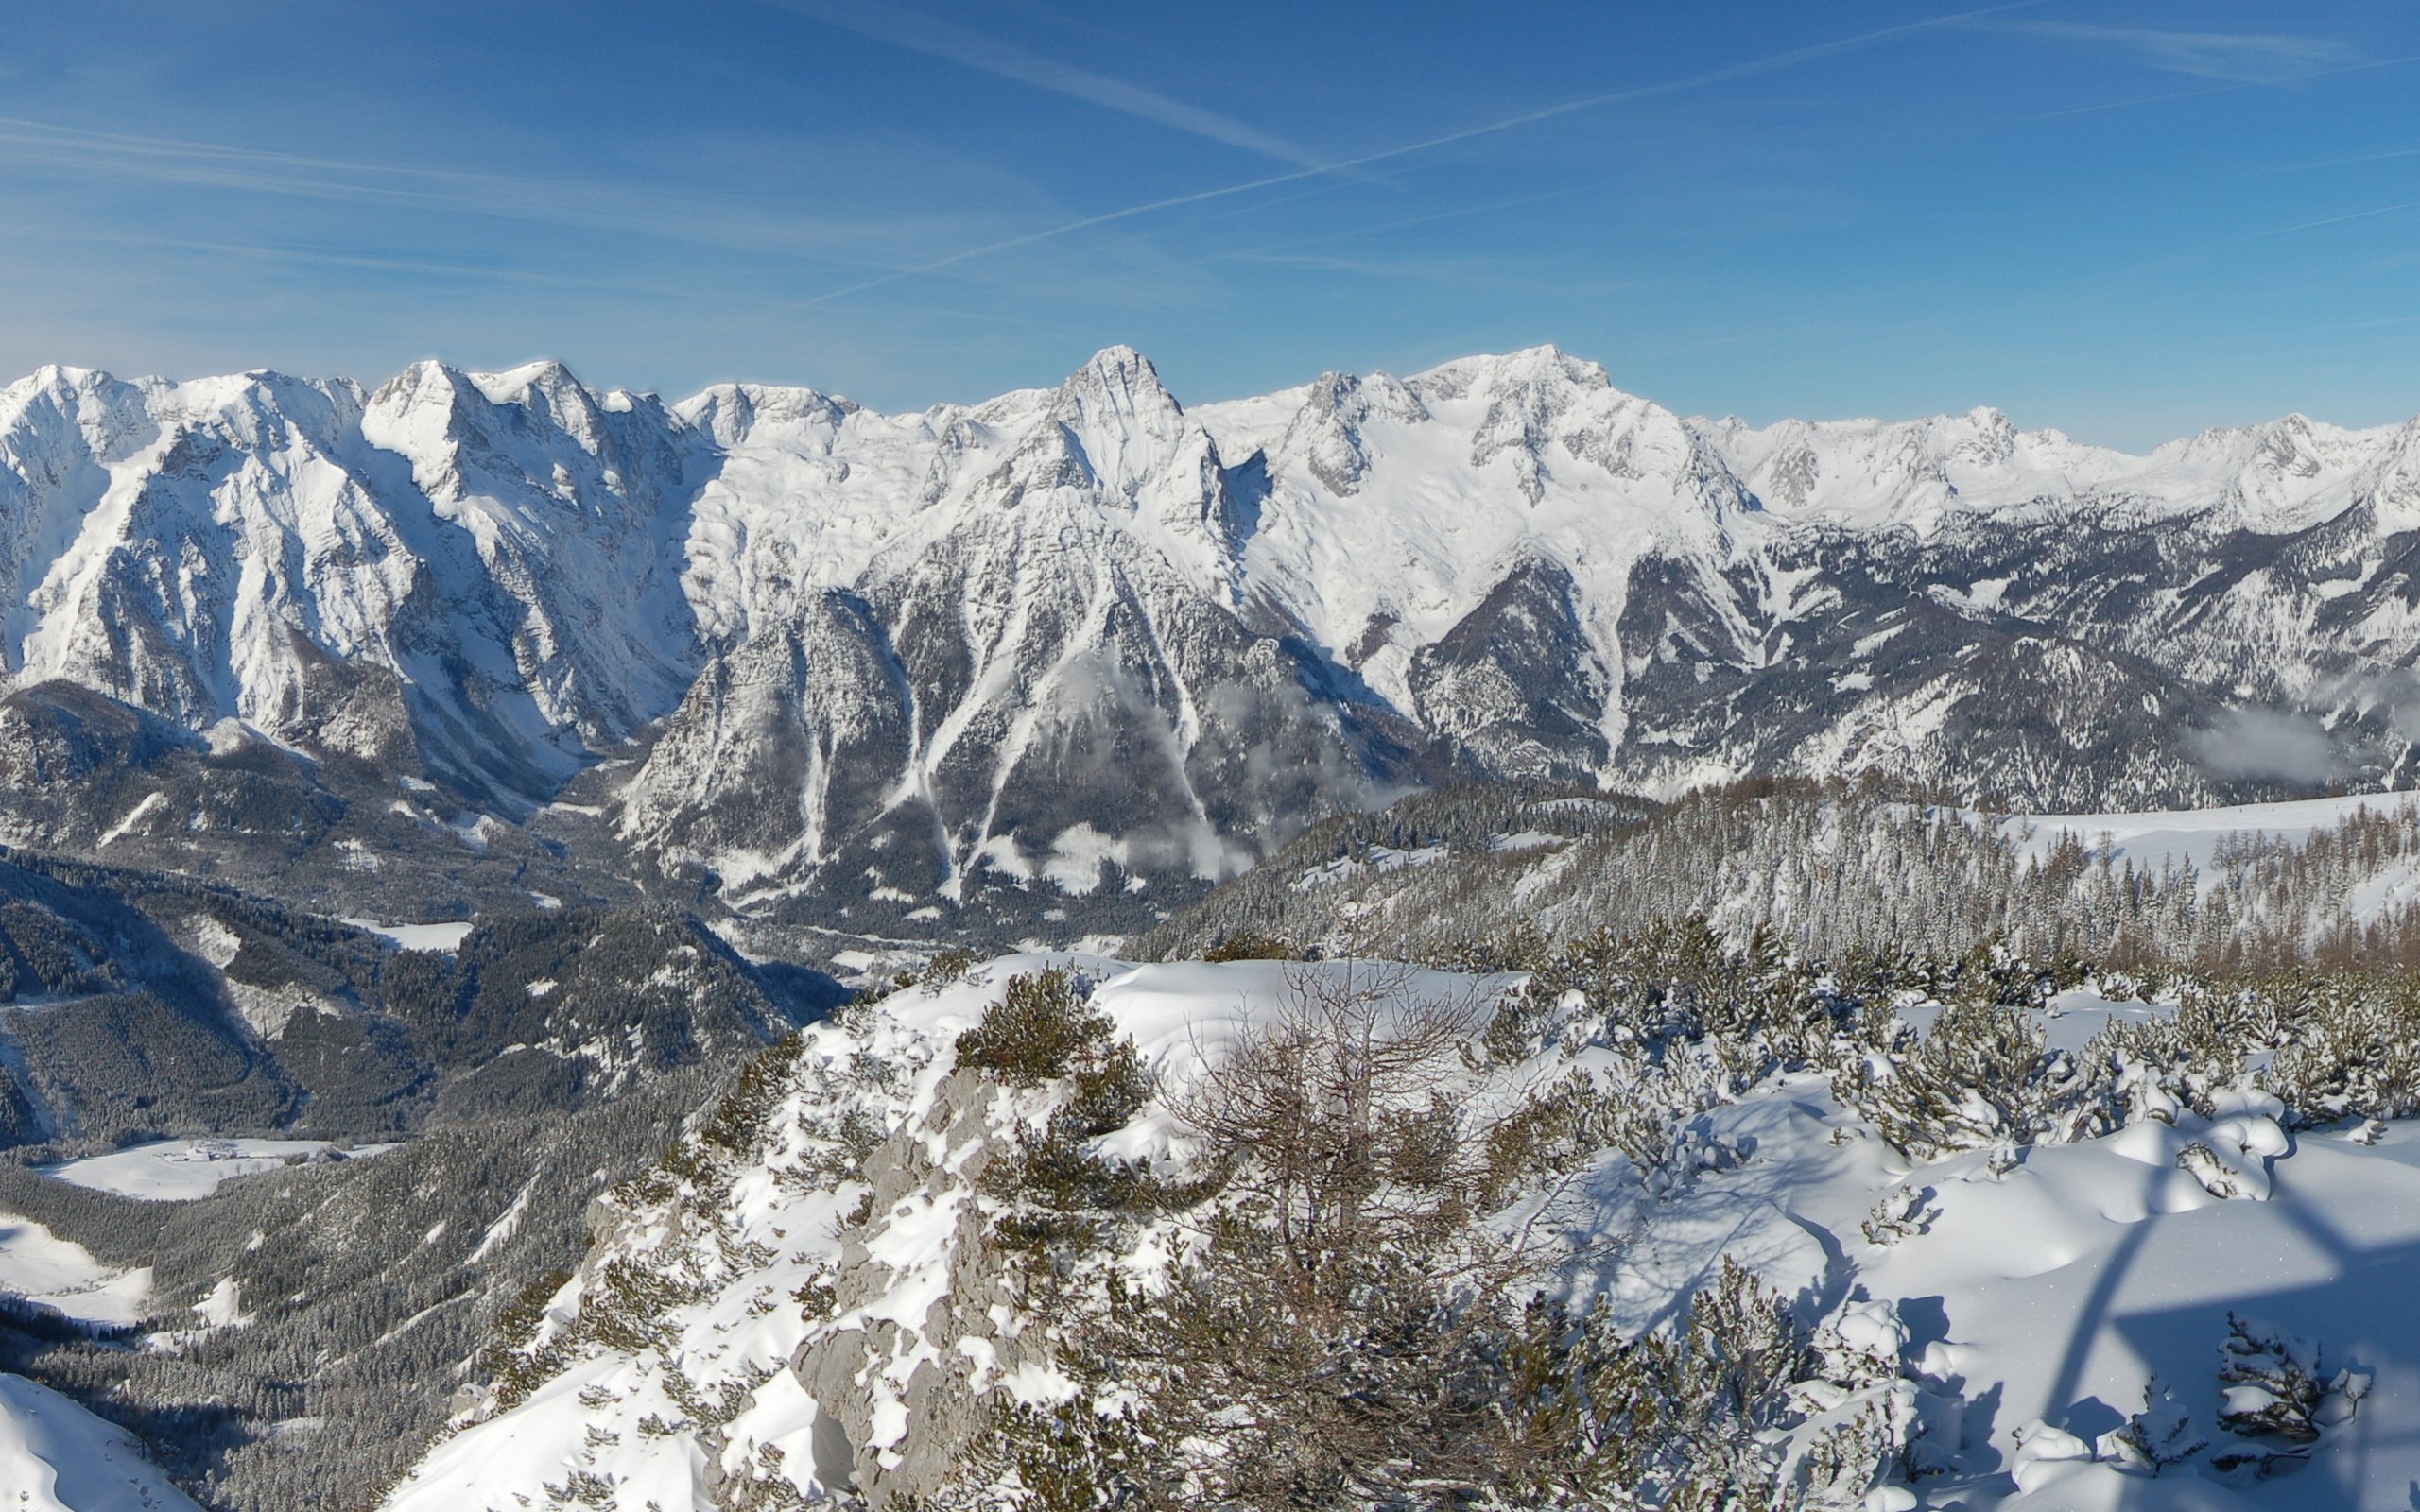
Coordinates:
1071 645
811 1296
800 1300
474 578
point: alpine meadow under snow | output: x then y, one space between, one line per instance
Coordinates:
1455 942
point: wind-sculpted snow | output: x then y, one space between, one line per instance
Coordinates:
1085 640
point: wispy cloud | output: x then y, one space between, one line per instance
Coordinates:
2231 86
455 271
1750 68
2264 743
2239 57
214 165
1457 270
2356 160
936 38
1458 212
32 146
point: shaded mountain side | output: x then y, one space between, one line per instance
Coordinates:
368 1288
140 1004
87 775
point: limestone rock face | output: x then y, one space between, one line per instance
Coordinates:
1074 649
928 1170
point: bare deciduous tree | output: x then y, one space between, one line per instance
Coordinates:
1356 1115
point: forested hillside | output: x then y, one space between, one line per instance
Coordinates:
1829 869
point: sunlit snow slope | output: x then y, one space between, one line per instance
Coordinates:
57 1457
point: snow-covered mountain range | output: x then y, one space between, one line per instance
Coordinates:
1084 640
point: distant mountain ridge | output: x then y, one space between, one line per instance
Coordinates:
1081 643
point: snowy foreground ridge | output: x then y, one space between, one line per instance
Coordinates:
57 1457
822 1305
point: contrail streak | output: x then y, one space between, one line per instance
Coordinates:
936 38
1719 75
2332 220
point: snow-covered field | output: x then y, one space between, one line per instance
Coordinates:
2053 1295
42 1267
445 938
179 1170
2192 834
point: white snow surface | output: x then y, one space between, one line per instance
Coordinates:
2037 1302
2179 835
747 1328
57 1457
444 938
58 1273
180 1170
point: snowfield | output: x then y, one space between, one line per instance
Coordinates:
2194 834
2053 1295
2029 1299
181 1170
444 939
42 1267
2152 841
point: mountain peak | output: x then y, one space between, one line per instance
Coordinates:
1549 358
59 375
515 384
728 413
1990 438
1120 378
1325 432
1120 416
1541 367
427 381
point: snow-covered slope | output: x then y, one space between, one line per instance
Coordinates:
1084 638
479 568
858 1187
62 1276
57 1457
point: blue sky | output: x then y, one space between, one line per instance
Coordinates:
2126 220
